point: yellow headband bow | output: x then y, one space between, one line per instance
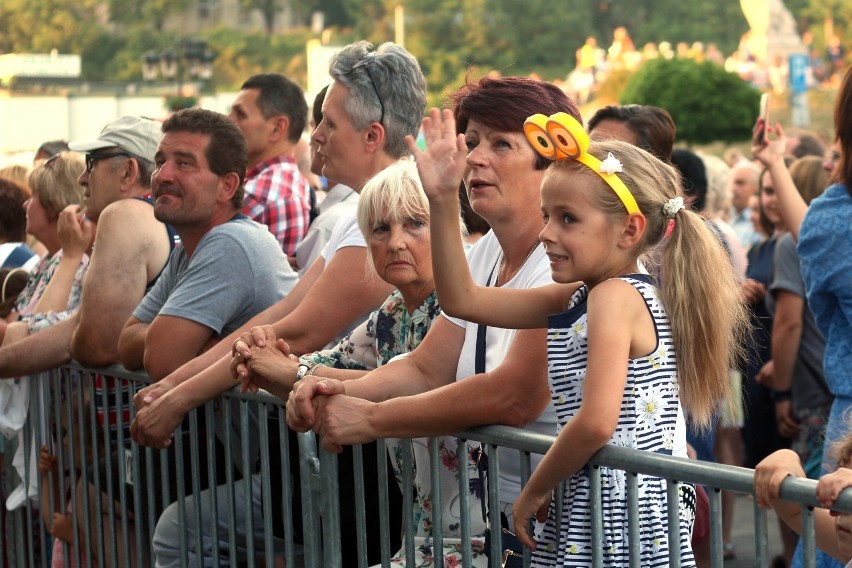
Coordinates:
560 136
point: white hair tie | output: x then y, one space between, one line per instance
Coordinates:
672 206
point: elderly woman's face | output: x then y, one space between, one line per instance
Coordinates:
401 252
501 178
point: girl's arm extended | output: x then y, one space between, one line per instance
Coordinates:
618 325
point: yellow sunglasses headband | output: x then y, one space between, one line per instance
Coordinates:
560 136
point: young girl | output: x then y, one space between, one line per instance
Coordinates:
616 363
833 530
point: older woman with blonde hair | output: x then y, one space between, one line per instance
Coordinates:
55 285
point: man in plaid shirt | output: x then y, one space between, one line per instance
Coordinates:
271 112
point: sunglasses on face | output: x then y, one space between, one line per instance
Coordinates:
93 157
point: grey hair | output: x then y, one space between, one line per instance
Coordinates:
146 169
399 84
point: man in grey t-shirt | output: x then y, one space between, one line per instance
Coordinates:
227 267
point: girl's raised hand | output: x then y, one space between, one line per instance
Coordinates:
441 165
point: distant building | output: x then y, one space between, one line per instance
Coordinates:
205 14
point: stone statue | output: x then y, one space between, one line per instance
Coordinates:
772 29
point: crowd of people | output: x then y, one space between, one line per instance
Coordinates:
594 64
593 282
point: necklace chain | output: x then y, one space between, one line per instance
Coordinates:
503 261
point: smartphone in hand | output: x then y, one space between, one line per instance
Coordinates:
762 120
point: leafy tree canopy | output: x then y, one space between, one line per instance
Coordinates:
707 103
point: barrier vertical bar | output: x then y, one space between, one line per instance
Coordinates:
229 482
384 523
247 480
408 502
597 515
464 501
309 476
760 536
633 537
210 440
437 509
673 510
286 487
194 460
808 537
526 471
494 521
716 548
266 488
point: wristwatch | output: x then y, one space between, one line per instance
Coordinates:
306 368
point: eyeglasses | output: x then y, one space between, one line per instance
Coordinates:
365 63
93 157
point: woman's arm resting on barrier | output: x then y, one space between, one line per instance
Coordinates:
432 364
427 402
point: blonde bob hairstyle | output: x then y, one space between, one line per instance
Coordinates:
392 196
698 285
54 182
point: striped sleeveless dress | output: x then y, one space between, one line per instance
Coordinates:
648 418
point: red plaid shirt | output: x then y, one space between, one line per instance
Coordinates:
278 196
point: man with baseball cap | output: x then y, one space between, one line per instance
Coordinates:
130 250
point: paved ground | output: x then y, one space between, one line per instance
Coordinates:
743 535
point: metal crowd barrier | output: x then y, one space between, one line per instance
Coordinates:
82 416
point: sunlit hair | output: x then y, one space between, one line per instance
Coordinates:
809 177
18 173
54 182
391 196
843 130
841 450
504 103
699 288
394 82
718 199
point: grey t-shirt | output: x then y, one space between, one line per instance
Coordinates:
237 271
809 386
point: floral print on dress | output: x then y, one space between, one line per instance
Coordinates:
36 285
388 332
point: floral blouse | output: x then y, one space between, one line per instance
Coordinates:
37 283
388 332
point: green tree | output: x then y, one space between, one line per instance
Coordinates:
150 14
39 26
707 103
722 23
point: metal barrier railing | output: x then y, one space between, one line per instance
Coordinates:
233 493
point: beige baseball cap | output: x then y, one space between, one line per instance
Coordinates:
135 134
